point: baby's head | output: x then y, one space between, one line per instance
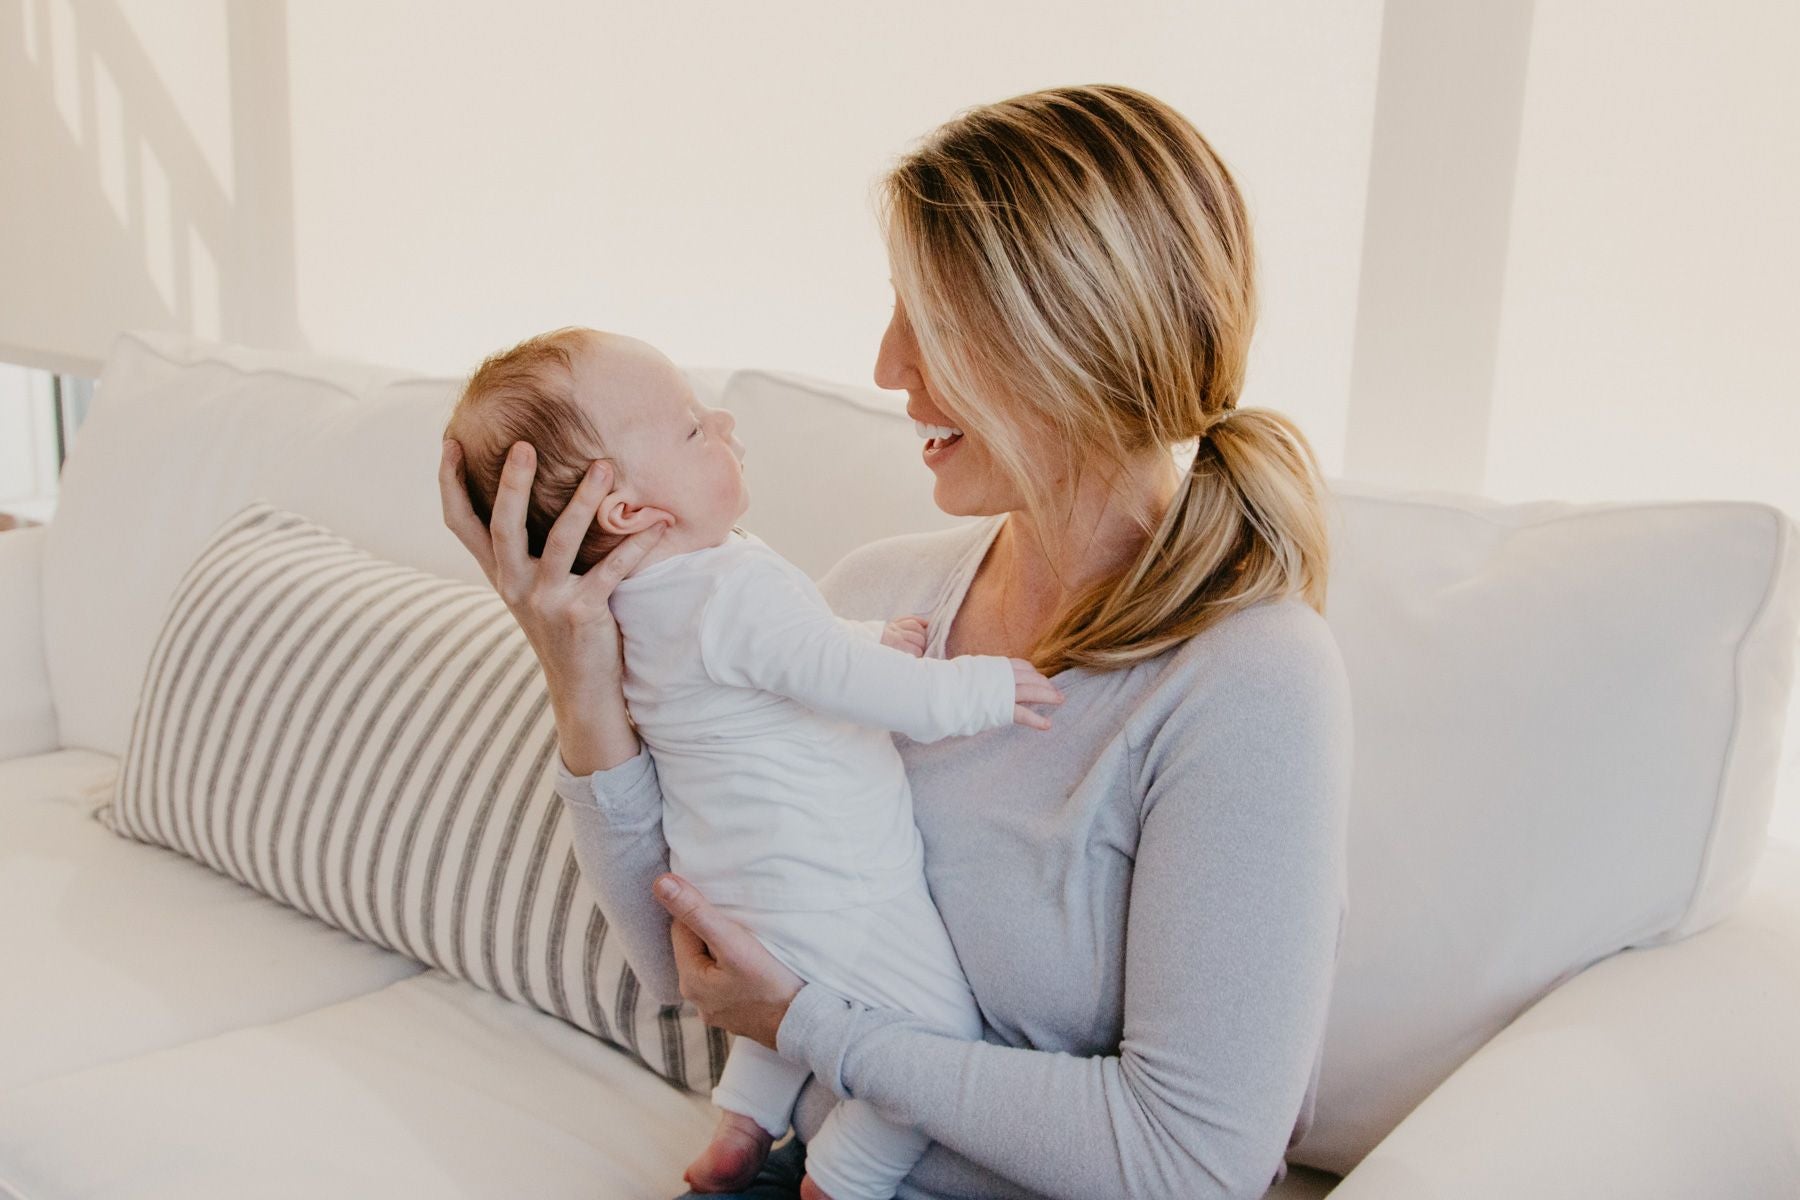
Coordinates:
577 395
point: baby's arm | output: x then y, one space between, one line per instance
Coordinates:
762 630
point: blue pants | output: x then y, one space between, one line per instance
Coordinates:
779 1178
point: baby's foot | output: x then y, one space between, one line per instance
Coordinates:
731 1160
810 1190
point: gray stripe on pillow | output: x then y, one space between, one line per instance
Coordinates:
240 590
399 598
279 683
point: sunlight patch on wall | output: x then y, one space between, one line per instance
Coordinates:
158 231
65 80
109 139
203 287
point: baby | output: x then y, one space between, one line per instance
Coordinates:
785 800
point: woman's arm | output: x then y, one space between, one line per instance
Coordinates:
605 778
615 821
1234 926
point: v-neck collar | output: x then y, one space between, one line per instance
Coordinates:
956 588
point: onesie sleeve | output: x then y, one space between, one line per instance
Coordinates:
761 629
869 629
1234 925
615 822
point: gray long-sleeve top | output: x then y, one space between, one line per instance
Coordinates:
1148 901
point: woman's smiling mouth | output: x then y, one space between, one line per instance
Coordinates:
939 439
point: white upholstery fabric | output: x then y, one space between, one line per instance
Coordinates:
1670 1074
427 1089
1567 723
27 714
373 746
114 948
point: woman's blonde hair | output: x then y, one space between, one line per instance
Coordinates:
1084 255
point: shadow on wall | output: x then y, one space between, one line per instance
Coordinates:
122 219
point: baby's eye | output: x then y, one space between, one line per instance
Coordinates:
696 432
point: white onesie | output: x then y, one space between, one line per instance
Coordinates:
787 805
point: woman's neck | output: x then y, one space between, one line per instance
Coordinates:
1033 569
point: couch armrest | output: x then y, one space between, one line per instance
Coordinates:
1660 1073
27 716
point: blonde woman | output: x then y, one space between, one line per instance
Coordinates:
1149 902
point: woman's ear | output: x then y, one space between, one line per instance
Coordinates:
618 515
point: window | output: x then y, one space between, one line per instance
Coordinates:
40 412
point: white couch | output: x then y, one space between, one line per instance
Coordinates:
1571 966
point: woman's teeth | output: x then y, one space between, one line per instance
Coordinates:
937 435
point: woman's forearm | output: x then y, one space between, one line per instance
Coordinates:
613 800
593 734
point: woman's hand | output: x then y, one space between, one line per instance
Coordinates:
725 972
567 618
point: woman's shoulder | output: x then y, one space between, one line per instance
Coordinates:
902 573
1277 659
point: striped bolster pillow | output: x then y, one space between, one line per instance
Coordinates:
373 746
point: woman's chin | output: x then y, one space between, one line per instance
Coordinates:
953 501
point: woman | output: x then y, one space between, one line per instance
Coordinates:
1148 901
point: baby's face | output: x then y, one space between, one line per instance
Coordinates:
679 457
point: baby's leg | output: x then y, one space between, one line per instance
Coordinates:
760 1084
858 1154
757 1091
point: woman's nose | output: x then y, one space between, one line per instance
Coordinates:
896 362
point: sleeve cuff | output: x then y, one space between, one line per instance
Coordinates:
869 629
627 787
1000 689
816 1032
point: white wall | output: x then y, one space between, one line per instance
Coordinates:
1647 344
420 183
1525 249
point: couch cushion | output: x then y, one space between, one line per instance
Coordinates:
374 746
1567 725
428 1088
114 948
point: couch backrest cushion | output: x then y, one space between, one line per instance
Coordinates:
373 746
1568 720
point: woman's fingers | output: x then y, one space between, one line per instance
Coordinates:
605 575
576 518
512 553
459 514
690 950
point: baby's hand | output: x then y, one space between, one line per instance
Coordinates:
906 633
1031 688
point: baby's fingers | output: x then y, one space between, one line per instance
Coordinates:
1024 716
1037 692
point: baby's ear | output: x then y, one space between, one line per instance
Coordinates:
619 516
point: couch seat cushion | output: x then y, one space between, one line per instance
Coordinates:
116 948
428 1088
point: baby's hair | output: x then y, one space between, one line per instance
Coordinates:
527 394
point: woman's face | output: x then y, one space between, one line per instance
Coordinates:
969 482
